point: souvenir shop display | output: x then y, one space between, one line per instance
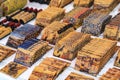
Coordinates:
59 39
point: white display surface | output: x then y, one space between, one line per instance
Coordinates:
66 72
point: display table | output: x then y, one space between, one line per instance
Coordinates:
65 73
